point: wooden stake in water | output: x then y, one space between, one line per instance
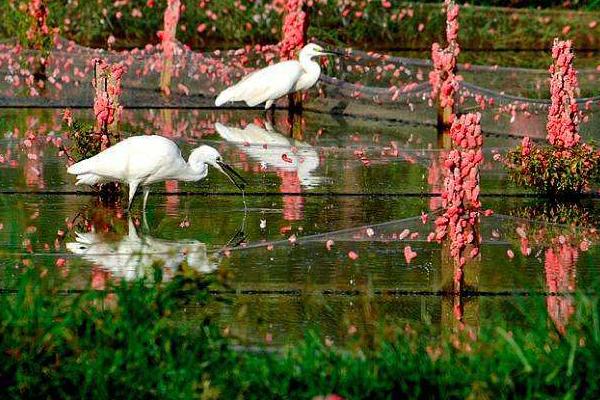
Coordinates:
167 36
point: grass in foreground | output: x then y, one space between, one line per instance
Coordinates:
129 343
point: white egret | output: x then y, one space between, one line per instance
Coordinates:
133 256
144 160
270 83
269 146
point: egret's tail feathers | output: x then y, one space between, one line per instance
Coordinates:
88 179
82 167
226 96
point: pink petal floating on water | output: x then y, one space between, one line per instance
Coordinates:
409 254
329 244
404 234
352 255
521 232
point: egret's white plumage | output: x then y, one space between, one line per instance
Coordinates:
270 83
267 146
144 160
133 256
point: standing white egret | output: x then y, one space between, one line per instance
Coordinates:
144 160
270 83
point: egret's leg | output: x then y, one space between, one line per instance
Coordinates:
270 111
146 193
132 189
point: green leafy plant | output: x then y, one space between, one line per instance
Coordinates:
553 170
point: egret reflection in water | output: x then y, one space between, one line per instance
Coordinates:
274 150
295 162
133 256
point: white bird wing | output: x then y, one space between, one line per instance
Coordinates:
268 83
134 158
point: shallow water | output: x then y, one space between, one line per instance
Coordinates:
359 183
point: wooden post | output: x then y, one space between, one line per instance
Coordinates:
167 36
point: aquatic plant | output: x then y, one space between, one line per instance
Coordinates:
553 170
566 165
86 140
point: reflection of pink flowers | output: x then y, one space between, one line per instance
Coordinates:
293 206
295 26
559 265
564 114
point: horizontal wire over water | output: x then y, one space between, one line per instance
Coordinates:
343 293
295 194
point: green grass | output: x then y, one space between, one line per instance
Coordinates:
131 342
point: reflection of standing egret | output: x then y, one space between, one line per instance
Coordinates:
133 256
274 150
294 161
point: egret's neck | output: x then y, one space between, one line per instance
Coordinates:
310 66
193 172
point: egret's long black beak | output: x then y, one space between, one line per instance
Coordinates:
233 176
335 53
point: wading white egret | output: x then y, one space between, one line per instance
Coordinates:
144 160
270 83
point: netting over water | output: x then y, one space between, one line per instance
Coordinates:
365 84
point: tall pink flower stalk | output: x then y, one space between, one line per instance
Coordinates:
107 85
295 27
443 78
564 115
167 38
39 12
460 196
